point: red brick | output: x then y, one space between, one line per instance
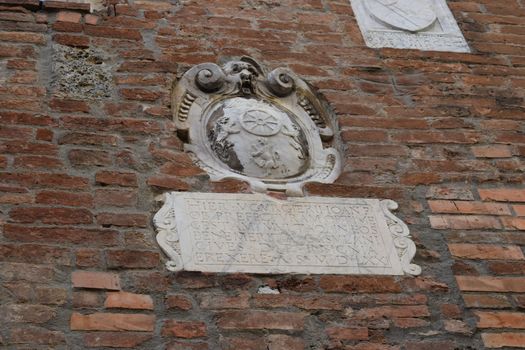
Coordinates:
393 311
140 94
261 320
112 322
513 223
457 326
184 329
464 222
502 194
506 339
486 251
303 302
491 284
61 235
132 259
116 178
353 284
36 253
217 302
86 258
66 16
51 215
85 299
65 198
125 220
72 40
489 301
113 32
115 339
345 333
409 322
179 302
494 151
95 280
21 37
124 300
35 162
463 207
501 319
79 157
168 182
115 198
519 210
66 105
91 19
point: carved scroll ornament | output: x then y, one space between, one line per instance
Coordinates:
269 129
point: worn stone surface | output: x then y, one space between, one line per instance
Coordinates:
83 73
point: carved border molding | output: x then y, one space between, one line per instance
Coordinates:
172 228
205 90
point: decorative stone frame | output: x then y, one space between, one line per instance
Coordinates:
206 87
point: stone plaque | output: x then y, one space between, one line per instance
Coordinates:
407 24
255 233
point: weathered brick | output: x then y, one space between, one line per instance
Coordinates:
489 301
346 333
132 259
486 251
464 222
17 313
502 194
67 16
285 342
95 280
124 300
361 284
493 151
215 301
500 319
261 320
61 235
115 339
302 302
36 335
491 284
463 207
184 329
505 339
112 322
179 302
126 220
61 216
65 198
116 178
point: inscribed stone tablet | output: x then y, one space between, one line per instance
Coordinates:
259 234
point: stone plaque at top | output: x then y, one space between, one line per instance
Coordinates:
255 233
409 24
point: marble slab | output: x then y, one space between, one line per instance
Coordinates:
427 25
256 233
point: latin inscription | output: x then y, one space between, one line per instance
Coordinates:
297 235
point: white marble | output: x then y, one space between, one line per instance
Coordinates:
407 24
256 233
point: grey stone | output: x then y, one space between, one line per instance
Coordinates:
81 73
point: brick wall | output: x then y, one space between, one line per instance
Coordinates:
82 160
